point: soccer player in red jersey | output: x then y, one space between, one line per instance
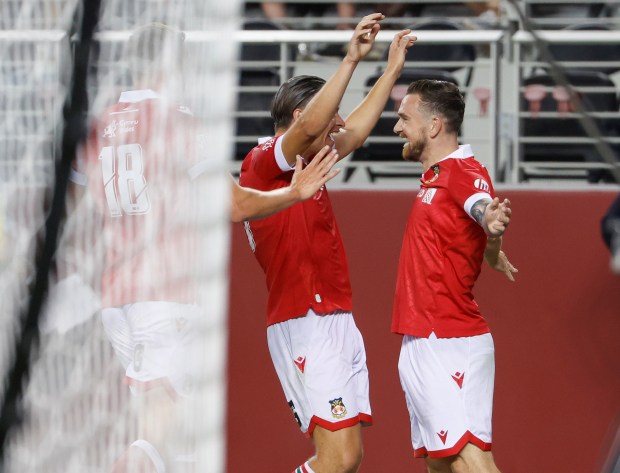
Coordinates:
447 362
316 348
142 164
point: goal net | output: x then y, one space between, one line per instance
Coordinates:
129 370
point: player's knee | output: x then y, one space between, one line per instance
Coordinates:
472 458
440 465
349 460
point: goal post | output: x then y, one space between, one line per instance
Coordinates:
82 408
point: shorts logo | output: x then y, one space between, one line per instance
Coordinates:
338 408
459 377
443 436
180 323
138 356
300 362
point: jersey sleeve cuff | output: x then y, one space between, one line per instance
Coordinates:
469 203
280 159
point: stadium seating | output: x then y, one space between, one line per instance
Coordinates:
259 78
541 96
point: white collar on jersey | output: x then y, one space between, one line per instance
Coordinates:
133 96
464 151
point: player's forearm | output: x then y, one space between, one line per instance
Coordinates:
251 204
364 117
324 105
491 252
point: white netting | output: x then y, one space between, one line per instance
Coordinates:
79 416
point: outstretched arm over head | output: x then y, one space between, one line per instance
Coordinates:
363 119
317 115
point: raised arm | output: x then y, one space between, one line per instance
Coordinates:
313 120
363 119
250 204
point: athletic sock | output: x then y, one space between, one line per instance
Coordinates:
152 453
305 468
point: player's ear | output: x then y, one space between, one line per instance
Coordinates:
296 113
435 126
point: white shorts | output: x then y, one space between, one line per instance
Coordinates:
321 363
448 384
155 342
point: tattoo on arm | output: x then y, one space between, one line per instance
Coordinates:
477 210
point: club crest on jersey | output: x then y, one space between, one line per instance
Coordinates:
338 408
481 184
435 176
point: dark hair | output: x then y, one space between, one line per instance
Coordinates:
440 98
155 48
294 93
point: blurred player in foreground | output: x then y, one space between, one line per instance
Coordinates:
143 164
610 230
447 363
316 348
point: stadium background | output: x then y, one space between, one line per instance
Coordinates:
557 405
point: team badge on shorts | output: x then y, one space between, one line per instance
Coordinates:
338 408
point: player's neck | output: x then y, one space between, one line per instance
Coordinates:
437 152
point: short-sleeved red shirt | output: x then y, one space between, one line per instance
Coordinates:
299 249
442 252
138 161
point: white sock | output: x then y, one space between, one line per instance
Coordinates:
305 468
153 454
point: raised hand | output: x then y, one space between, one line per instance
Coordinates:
364 36
307 181
398 49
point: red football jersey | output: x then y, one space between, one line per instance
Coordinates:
300 249
138 162
442 252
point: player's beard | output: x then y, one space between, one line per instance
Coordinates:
416 149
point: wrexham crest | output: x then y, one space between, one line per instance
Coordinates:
338 408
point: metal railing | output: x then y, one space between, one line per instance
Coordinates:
600 139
